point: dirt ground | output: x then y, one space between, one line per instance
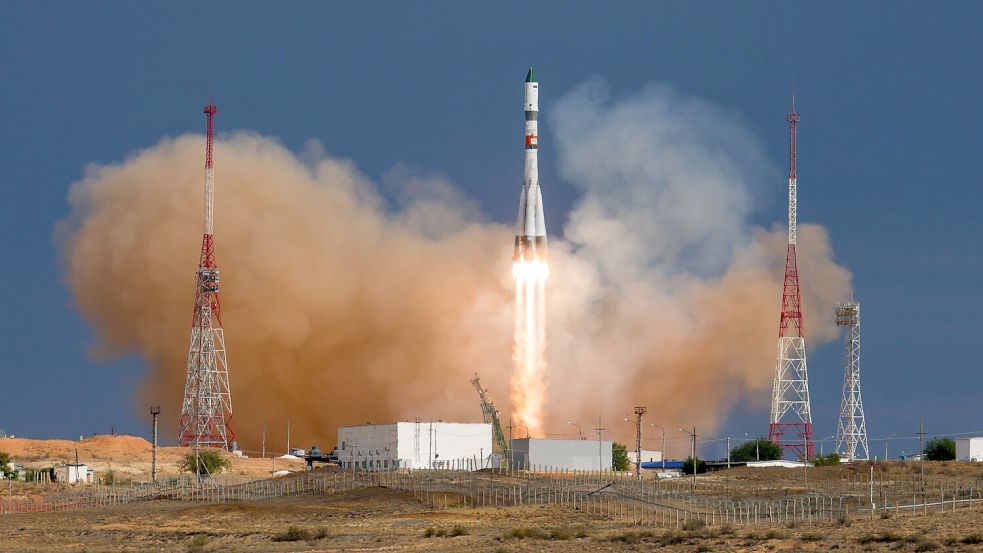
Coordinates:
379 519
129 457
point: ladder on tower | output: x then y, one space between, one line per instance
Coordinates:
490 416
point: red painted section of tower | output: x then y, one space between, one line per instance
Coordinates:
790 323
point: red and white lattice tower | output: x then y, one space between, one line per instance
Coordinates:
791 416
206 414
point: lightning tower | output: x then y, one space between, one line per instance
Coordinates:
206 414
851 432
791 416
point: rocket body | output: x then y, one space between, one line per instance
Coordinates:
530 232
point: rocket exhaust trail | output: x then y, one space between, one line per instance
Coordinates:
530 271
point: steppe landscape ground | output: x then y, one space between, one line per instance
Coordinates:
380 518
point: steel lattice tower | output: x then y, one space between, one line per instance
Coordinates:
851 432
206 414
791 416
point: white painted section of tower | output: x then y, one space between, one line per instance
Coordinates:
791 385
792 215
209 200
415 445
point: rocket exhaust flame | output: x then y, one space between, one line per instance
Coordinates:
529 381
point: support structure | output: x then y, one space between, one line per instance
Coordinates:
639 411
851 432
206 413
154 411
490 415
791 416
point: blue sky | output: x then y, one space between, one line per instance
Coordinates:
889 139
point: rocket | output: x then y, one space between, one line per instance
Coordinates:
530 231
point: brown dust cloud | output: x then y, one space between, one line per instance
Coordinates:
340 308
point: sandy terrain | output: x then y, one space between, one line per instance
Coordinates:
128 456
385 520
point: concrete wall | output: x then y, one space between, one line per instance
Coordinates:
540 454
969 449
414 445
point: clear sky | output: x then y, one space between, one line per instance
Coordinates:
889 147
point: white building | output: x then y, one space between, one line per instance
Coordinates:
647 456
969 449
78 474
415 445
545 454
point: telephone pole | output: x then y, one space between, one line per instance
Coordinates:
639 411
600 448
153 462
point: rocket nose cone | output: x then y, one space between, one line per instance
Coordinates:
531 76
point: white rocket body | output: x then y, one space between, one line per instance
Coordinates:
530 232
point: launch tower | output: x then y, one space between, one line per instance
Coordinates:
791 416
851 432
206 414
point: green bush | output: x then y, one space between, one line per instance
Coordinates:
296 533
826 460
701 466
523 533
940 449
748 451
458 530
619 456
207 461
5 464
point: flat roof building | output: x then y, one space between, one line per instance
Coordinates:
969 449
415 445
541 454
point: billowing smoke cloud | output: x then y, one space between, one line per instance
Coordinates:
340 308
665 296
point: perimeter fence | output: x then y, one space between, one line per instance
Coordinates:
613 496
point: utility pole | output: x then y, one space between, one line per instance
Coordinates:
600 449
264 441
692 454
921 449
153 462
728 451
663 444
639 411
288 436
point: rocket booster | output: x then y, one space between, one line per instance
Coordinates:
530 231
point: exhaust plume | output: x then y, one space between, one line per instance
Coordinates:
340 308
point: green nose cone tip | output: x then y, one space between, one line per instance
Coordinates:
531 76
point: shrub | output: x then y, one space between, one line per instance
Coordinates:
844 520
701 466
774 535
619 456
926 545
826 460
748 451
293 533
693 524
458 530
207 461
5 465
429 532
972 539
109 478
811 537
703 548
562 533
940 449
523 533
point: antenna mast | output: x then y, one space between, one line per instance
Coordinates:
206 413
791 416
